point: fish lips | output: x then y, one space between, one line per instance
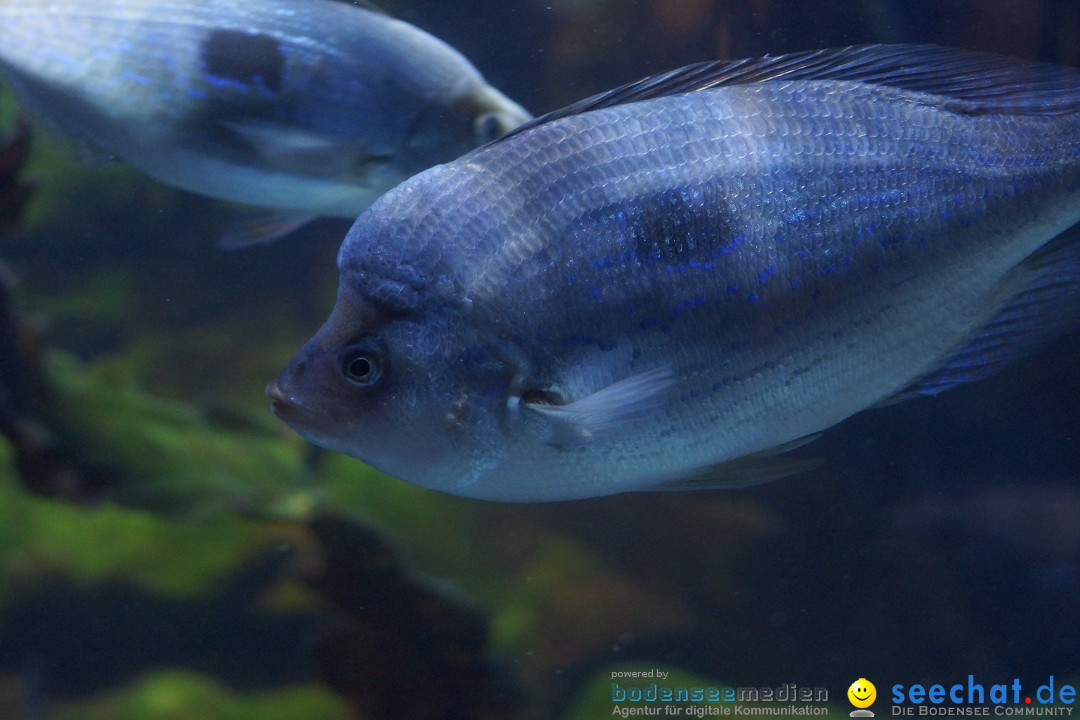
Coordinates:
313 425
286 406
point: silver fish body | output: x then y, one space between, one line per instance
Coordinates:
670 292
305 106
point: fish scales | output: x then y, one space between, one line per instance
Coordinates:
793 251
773 231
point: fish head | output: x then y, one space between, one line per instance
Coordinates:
397 378
471 116
494 114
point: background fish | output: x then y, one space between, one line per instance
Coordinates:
669 285
314 107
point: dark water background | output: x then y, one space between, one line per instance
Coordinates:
940 539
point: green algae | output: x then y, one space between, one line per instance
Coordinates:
180 696
170 459
40 538
104 298
199 496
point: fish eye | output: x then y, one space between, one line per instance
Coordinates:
361 366
488 127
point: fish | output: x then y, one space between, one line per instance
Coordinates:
673 285
305 107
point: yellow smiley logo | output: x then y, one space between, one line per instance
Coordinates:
862 693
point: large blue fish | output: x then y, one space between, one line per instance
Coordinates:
312 107
671 285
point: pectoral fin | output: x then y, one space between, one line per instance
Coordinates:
275 140
258 227
293 149
607 411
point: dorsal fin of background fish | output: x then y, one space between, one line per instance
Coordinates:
976 82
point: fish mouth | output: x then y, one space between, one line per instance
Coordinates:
280 402
286 407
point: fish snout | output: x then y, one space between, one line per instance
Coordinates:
280 403
282 390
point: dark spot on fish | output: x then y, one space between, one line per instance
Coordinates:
678 225
248 58
678 230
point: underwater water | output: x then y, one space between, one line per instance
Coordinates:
171 550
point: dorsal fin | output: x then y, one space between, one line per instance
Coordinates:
978 82
366 5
